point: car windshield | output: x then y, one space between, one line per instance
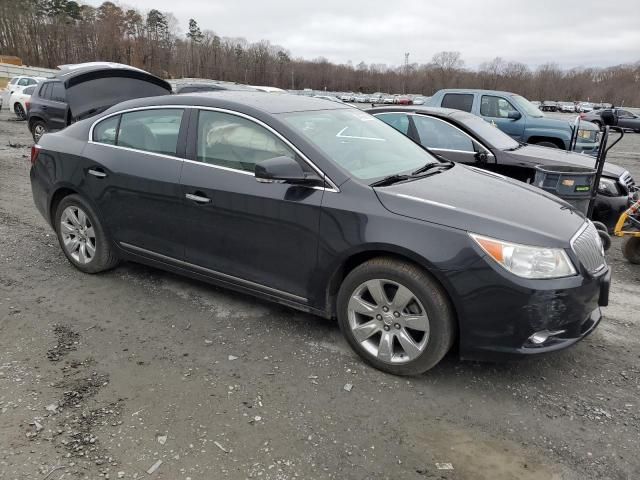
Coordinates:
488 133
366 147
528 107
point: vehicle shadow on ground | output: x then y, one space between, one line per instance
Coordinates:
325 333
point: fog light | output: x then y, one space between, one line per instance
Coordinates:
539 338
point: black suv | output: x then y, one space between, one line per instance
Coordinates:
84 90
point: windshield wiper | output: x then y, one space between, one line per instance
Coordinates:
446 164
390 180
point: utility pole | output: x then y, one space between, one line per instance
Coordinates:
293 86
406 72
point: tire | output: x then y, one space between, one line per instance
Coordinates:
382 337
82 236
600 226
19 111
631 249
38 128
547 143
598 124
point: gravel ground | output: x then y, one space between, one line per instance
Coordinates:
138 370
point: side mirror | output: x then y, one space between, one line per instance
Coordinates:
515 115
284 170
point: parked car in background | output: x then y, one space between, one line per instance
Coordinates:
420 100
536 104
403 100
348 97
306 91
465 138
584 107
326 209
83 90
19 101
567 107
622 118
549 106
361 98
193 87
518 118
388 99
16 85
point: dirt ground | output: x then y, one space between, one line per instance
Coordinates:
137 370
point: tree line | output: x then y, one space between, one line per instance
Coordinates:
48 33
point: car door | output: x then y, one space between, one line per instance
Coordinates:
132 171
501 112
626 119
52 105
262 235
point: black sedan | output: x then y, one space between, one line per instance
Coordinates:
463 137
621 117
324 208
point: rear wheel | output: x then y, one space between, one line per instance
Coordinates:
19 111
395 316
631 249
38 128
82 237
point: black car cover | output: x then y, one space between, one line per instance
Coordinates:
94 87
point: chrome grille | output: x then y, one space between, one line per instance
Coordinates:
588 247
627 180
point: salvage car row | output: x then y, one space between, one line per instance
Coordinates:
413 237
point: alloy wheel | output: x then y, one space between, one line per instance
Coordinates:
78 235
388 321
38 131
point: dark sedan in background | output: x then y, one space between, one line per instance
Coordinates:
621 118
466 138
322 207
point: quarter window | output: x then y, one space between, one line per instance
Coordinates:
235 142
151 130
496 107
458 101
105 131
13 80
57 92
399 121
23 82
45 90
28 90
438 134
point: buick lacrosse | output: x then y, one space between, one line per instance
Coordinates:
324 208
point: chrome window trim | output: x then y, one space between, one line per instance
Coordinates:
473 140
220 275
333 187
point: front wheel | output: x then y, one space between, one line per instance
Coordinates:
395 316
546 143
82 237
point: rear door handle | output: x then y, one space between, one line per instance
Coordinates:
197 198
96 172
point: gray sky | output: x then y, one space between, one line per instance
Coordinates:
568 32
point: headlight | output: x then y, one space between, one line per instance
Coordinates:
588 135
526 261
609 187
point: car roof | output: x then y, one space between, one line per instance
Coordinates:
435 111
242 101
476 90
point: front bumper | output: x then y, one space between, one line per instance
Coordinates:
498 314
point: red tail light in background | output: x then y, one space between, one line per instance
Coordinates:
27 105
35 151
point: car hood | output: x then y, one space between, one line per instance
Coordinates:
532 155
94 87
482 202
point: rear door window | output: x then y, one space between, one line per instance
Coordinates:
154 130
458 101
28 90
57 92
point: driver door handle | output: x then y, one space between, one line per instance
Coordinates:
96 172
197 198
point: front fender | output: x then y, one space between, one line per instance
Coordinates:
563 136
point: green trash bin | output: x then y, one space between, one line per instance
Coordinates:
572 184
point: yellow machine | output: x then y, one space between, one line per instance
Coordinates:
628 227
